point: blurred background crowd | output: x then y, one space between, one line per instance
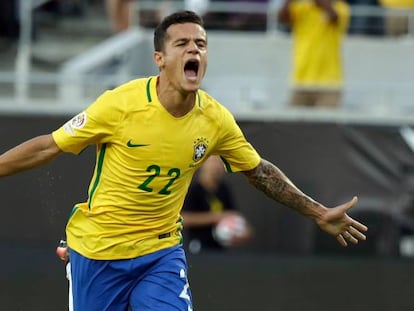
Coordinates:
365 61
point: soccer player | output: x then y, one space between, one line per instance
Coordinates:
151 135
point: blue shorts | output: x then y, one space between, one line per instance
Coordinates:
154 282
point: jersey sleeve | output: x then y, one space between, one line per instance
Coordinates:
96 125
233 148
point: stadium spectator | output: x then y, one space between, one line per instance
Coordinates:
208 201
216 20
121 13
318 27
236 20
397 19
249 21
64 7
150 17
150 135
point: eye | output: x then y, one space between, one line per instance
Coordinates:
181 43
201 44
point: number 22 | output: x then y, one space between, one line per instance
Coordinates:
173 172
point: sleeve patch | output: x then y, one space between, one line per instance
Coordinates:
77 122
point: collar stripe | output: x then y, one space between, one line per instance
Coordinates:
199 99
150 98
149 90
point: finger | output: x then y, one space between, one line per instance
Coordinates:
354 201
357 234
360 227
348 205
351 203
350 237
341 240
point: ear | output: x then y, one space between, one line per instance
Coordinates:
159 59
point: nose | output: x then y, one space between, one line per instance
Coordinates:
193 48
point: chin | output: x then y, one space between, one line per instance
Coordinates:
192 87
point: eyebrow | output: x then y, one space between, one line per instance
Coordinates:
187 39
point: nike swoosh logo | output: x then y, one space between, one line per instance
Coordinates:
131 145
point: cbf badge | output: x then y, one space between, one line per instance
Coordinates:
200 148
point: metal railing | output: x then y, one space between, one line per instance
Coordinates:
79 67
25 10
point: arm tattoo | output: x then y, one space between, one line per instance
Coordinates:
275 184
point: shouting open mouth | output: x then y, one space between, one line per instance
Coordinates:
191 69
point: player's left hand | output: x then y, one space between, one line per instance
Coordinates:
336 222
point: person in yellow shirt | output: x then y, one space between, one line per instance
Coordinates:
151 135
318 27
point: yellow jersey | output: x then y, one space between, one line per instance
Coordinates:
317 44
145 161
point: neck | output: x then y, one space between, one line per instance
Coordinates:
177 103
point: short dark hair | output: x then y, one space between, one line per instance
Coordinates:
180 17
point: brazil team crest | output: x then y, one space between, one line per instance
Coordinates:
200 148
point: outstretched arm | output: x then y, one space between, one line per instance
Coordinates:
275 184
32 153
